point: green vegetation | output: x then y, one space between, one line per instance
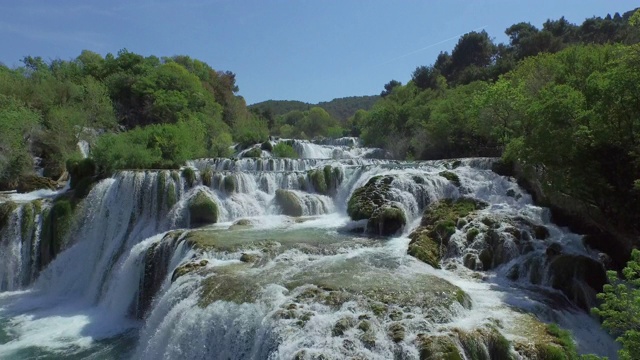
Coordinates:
340 109
620 308
284 150
436 227
136 112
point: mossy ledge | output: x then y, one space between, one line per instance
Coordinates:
430 240
372 202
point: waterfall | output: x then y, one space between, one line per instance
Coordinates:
283 272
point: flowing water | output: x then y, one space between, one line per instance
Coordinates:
133 282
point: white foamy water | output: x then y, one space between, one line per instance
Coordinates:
280 287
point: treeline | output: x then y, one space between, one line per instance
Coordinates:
302 120
136 111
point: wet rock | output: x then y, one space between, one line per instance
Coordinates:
342 325
202 210
511 193
554 249
249 258
367 199
189 176
578 277
188 267
437 347
289 202
396 332
364 325
429 241
387 220
241 224
452 177
230 184
540 232
31 183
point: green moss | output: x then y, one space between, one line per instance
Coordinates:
161 187
230 184
188 268
436 227
6 208
288 202
387 220
368 198
424 248
472 233
60 218
175 176
438 348
27 221
319 181
202 210
563 339
171 195
455 180
189 175
207 177
253 153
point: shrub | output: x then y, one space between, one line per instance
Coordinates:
284 150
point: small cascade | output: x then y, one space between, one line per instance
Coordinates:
20 238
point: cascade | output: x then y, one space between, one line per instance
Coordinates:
276 269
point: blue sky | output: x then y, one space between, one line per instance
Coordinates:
279 49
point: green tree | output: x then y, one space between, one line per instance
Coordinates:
620 308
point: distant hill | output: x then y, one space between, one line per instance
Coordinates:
341 108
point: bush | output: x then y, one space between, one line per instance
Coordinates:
284 150
620 307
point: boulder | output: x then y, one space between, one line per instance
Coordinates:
289 202
387 220
202 210
368 198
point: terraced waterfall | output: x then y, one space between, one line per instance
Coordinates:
334 255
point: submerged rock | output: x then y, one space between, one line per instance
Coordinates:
202 210
455 180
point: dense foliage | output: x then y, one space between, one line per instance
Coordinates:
620 307
135 111
289 113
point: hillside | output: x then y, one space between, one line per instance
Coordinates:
339 108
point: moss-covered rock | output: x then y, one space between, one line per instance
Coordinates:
230 184
396 332
387 220
318 181
202 210
27 221
207 177
189 267
455 180
189 176
172 198
430 240
368 198
255 152
57 223
289 202
31 183
6 208
442 347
